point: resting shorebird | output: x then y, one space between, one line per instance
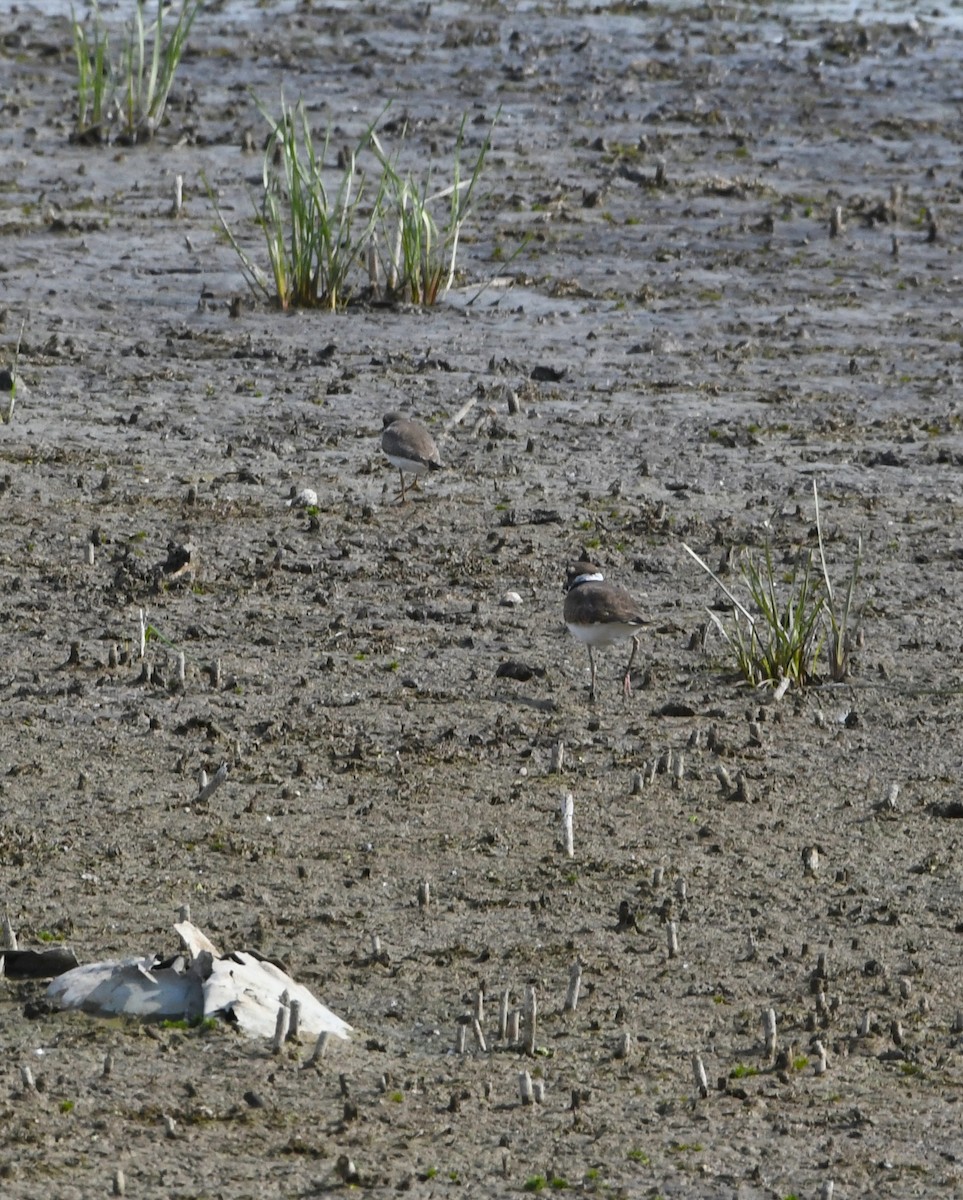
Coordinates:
410 447
600 614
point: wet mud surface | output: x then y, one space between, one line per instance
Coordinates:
680 351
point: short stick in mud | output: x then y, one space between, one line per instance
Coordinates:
574 986
567 813
699 1075
769 1033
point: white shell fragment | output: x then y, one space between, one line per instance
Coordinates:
306 498
240 987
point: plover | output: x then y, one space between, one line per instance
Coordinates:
600 614
410 447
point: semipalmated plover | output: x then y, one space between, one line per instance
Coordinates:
600 614
410 447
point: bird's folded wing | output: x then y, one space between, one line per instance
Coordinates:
136 987
195 940
248 990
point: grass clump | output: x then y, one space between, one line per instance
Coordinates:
313 239
775 634
314 234
330 237
420 250
147 76
136 88
778 628
94 87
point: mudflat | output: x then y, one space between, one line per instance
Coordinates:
713 261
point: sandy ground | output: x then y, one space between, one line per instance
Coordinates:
675 170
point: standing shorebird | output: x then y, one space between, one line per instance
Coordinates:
410 447
600 614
